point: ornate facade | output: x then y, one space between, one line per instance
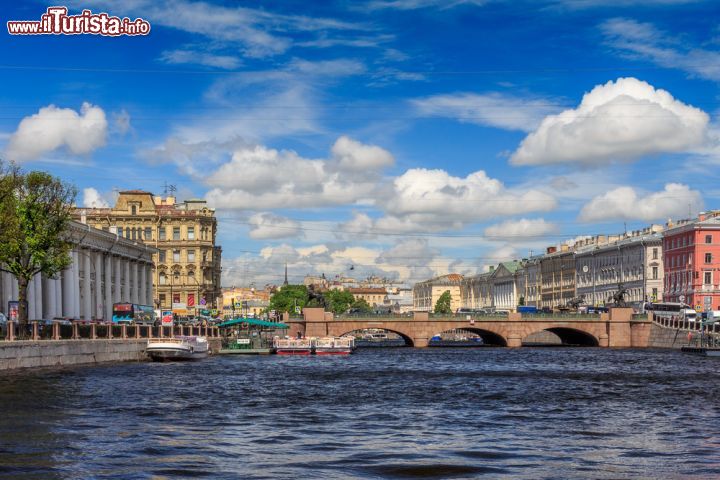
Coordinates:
187 264
105 269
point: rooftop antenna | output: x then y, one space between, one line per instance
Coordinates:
169 188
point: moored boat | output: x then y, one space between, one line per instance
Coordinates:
292 346
177 348
334 345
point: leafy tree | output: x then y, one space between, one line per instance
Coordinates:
443 303
521 301
35 217
339 301
361 306
289 296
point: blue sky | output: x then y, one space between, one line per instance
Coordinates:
402 138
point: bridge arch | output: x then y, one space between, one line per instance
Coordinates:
407 338
489 337
570 336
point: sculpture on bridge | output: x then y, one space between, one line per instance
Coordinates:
316 298
576 302
618 299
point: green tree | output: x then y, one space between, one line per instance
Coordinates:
34 221
521 301
443 303
361 306
288 297
339 301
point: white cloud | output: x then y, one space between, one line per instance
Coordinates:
625 203
353 156
266 225
620 120
492 109
427 200
261 177
254 32
360 226
181 56
53 128
93 199
513 230
644 41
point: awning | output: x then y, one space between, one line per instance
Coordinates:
253 321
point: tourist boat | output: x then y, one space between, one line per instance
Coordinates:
292 346
334 345
177 348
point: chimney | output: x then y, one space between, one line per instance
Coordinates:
701 216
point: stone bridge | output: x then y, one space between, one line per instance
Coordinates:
613 329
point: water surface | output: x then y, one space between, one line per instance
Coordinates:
381 413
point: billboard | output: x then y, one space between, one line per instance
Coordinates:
167 318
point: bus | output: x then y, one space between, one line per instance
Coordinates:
672 311
132 313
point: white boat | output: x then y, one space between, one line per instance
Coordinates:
177 348
292 346
334 345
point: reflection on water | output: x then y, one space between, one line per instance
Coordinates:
381 413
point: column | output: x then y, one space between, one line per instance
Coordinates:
134 290
140 268
86 292
49 298
116 274
149 285
67 293
108 288
126 274
7 279
32 313
38 295
76 285
57 285
99 310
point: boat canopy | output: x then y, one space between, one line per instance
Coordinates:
253 321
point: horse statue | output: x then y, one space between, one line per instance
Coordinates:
576 302
318 297
618 299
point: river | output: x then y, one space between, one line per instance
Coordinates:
380 413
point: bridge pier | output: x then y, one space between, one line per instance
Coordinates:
514 340
420 342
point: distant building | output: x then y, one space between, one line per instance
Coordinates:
187 265
691 262
375 297
244 301
401 301
504 286
633 260
427 293
557 277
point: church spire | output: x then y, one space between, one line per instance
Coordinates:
285 282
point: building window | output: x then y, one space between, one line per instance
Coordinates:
191 255
191 233
708 258
708 238
161 233
163 279
654 273
133 233
120 231
162 299
176 256
655 253
708 278
161 256
176 233
176 298
148 233
133 210
654 294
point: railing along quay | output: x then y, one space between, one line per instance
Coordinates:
78 330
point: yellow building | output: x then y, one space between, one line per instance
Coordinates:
375 297
187 269
427 293
244 301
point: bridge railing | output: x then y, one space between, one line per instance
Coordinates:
573 316
63 330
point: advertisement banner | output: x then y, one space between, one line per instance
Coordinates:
13 311
167 318
190 300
